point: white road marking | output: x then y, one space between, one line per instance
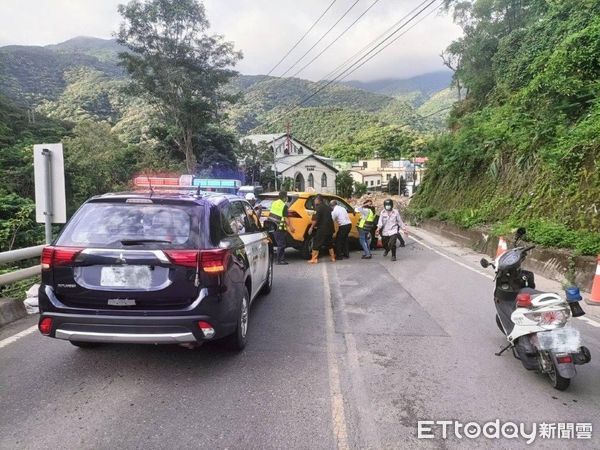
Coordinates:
16 337
338 414
472 269
589 321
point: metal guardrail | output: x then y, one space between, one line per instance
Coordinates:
19 255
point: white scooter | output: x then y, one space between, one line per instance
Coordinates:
536 324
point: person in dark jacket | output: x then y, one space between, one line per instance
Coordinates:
323 223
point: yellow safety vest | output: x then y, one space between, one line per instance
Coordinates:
367 224
277 214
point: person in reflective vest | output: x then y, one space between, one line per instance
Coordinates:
365 225
279 215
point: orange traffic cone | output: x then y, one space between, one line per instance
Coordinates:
595 297
502 247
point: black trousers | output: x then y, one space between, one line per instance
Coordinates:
389 242
341 241
281 241
322 239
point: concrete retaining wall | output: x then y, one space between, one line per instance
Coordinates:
548 262
11 310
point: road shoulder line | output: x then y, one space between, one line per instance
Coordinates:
16 337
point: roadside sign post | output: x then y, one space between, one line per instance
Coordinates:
50 202
48 191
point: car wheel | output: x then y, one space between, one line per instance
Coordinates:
81 344
239 338
269 283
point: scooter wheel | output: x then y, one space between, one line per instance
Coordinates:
499 324
558 382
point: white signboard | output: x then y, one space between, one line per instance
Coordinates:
57 182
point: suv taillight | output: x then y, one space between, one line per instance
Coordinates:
58 256
214 261
184 258
210 261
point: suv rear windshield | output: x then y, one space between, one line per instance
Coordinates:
123 225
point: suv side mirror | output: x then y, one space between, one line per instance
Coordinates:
484 263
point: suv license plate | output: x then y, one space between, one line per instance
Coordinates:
132 277
121 302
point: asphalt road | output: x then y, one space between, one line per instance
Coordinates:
344 355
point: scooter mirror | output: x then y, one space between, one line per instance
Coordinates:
484 263
520 233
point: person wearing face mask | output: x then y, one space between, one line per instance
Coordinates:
389 226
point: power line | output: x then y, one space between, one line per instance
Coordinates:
337 38
320 39
301 39
381 90
358 54
352 68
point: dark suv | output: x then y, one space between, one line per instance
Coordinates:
155 268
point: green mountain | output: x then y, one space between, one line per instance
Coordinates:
263 100
80 79
30 74
417 90
106 50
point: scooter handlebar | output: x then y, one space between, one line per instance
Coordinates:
531 247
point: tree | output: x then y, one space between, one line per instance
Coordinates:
217 158
254 159
343 184
96 162
176 65
360 189
393 185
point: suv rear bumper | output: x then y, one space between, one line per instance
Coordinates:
125 338
132 329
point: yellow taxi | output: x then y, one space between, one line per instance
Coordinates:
301 207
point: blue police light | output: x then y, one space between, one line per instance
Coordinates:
215 183
573 294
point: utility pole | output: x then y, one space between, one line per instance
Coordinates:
288 137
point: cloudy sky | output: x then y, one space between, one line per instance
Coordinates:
263 29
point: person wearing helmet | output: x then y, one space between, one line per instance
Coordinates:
251 198
389 226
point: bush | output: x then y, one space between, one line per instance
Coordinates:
360 189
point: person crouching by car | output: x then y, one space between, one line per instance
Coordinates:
323 237
340 216
389 226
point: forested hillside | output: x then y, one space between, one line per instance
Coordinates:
80 79
29 75
524 147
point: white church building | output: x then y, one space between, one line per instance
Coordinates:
296 160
